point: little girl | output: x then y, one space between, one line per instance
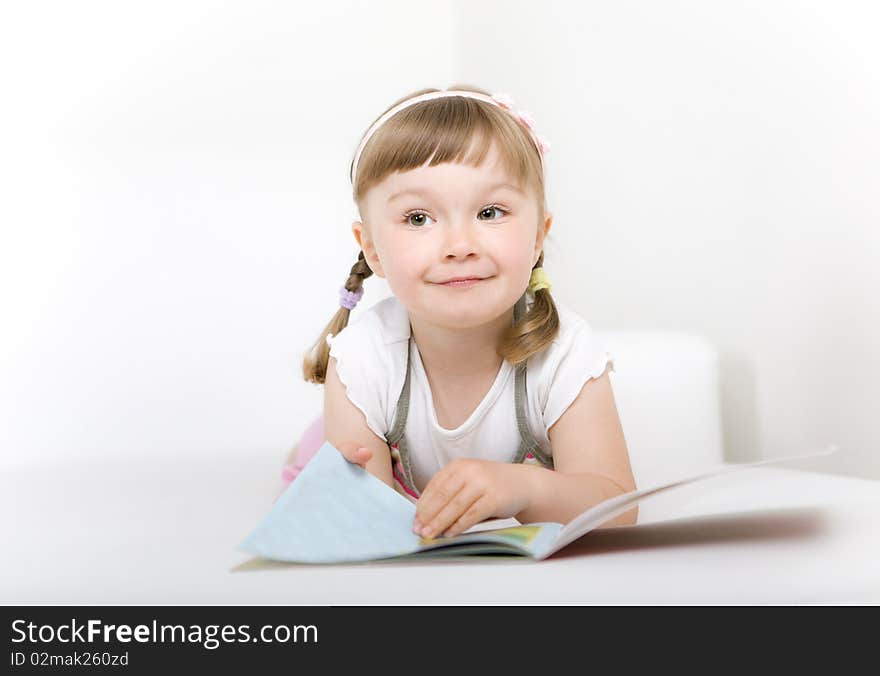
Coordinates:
469 390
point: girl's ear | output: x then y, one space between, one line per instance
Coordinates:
366 244
542 232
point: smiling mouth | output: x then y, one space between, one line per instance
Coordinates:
470 281
464 279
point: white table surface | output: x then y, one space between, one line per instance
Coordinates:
165 532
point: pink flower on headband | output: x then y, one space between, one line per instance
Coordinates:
526 119
543 144
503 100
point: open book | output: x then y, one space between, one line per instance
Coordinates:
337 512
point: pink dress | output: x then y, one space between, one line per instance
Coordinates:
308 445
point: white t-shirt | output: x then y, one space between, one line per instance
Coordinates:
371 364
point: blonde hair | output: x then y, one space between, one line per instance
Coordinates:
451 129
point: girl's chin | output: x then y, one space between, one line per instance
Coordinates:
458 314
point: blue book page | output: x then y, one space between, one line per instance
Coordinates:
333 512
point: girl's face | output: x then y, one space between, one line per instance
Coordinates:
430 225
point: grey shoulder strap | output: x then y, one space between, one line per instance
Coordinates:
396 432
528 443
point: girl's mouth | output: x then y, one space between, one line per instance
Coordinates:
462 283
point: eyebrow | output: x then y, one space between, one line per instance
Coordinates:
427 192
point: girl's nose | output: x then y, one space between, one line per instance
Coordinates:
460 239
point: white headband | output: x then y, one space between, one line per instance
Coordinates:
501 100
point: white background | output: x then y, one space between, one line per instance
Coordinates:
176 209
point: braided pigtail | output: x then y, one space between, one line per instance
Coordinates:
316 360
535 330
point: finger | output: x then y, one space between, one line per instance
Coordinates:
442 487
355 453
362 456
479 510
452 512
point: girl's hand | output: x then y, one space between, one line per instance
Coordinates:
467 491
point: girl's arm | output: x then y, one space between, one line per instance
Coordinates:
590 458
346 428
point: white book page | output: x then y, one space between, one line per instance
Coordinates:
607 510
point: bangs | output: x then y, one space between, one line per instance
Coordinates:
454 129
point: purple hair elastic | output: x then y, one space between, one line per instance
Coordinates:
348 299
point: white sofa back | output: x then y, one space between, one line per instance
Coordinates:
667 390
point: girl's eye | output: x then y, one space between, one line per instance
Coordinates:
494 208
412 214
422 215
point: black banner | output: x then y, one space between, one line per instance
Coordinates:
145 639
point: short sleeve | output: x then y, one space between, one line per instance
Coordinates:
359 365
577 356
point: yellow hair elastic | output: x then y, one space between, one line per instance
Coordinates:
539 280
